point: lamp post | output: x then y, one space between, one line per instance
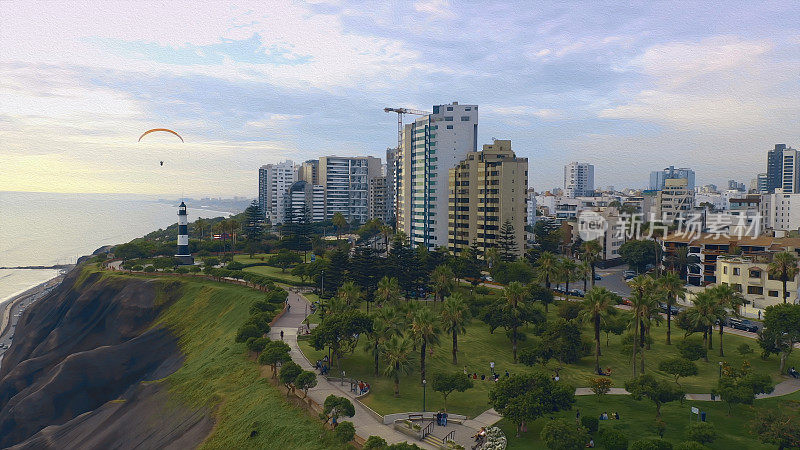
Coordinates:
424 385
720 369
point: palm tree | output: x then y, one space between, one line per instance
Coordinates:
567 268
591 254
641 293
672 287
199 226
380 333
585 271
443 281
388 291
548 269
396 353
784 268
425 329
514 294
349 296
491 256
339 222
387 232
597 305
728 298
704 314
455 317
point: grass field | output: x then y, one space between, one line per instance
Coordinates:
217 374
477 348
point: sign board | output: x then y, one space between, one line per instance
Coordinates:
695 410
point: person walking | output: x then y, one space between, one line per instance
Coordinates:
281 334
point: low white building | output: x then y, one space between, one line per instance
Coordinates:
781 211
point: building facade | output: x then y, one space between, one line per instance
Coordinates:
578 180
431 145
750 277
775 168
379 200
658 177
304 203
781 211
393 184
487 189
346 184
675 201
309 172
274 181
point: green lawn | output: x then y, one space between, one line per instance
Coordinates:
478 348
637 420
275 273
217 374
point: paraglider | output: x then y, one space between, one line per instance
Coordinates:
159 129
162 163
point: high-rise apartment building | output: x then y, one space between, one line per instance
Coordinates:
658 177
274 181
775 168
309 172
487 189
346 184
790 171
675 200
762 183
578 180
392 184
304 203
378 194
431 145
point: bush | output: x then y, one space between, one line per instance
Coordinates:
569 310
261 321
345 432
482 290
149 269
262 306
137 268
744 349
692 349
702 432
236 265
182 269
613 439
194 269
277 296
690 445
561 434
257 344
651 443
591 423
246 332
600 385
375 443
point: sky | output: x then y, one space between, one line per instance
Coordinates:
707 85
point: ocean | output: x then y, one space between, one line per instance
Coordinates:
46 229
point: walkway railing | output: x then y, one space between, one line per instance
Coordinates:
427 430
451 436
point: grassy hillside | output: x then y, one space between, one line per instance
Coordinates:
217 374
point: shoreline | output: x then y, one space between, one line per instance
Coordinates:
6 309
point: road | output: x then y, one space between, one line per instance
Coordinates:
18 306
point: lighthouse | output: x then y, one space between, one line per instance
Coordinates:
183 236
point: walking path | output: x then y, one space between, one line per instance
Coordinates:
784 387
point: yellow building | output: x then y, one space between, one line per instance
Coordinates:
487 189
749 276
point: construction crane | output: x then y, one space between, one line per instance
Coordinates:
400 112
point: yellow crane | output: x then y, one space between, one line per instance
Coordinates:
400 112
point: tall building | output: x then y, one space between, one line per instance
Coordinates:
273 182
304 203
431 145
658 177
762 183
346 183
775 168
790 172
392 184
487 189
309 172
378 193
675 200
578 180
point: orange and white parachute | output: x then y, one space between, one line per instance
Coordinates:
159 129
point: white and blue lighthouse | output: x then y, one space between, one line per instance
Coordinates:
183 254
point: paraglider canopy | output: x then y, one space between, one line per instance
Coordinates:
159 129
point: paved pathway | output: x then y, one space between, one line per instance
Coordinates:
787 386
366 424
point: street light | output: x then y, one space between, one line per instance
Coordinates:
720 369
424 385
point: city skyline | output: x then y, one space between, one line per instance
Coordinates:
627 90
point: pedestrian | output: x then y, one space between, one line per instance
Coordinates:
507 374
281 334
439 418
465 370
444 419
578 415
491 366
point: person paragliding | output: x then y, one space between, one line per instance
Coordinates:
166 130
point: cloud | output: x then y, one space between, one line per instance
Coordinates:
542 113
438 9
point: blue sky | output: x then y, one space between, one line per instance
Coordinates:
629 89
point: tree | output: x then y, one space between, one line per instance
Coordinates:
562 434
613 439
784 268
638 254
704 314
547 235
597 305
305 381
566 273
381 332
335 407
253 226
442 281
547 266
396 353
340 333
692 350
340 223
348 297
702 432
781 331
375 443
775 427
425 331
523 398
276 352
678 367
727 298
673 288
455 317
512 312
600 385
446 384
651 443
614 325
740 386
560 340
345 432
658 392
539 294
641 299
506 242
288 374
388 291
285 259
590 254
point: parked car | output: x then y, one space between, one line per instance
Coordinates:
577 292
597 277
674 310
743 324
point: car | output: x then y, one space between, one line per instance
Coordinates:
577 293
743 324
597 277
674 310
629 275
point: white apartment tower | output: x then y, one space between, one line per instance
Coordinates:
274 181
578 180
431 145
345 181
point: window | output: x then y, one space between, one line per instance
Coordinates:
755 273
449 127
725 270
736 271
465 118
772 293
449 108
436 110
758 290
448 118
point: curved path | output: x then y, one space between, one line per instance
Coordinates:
785 387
